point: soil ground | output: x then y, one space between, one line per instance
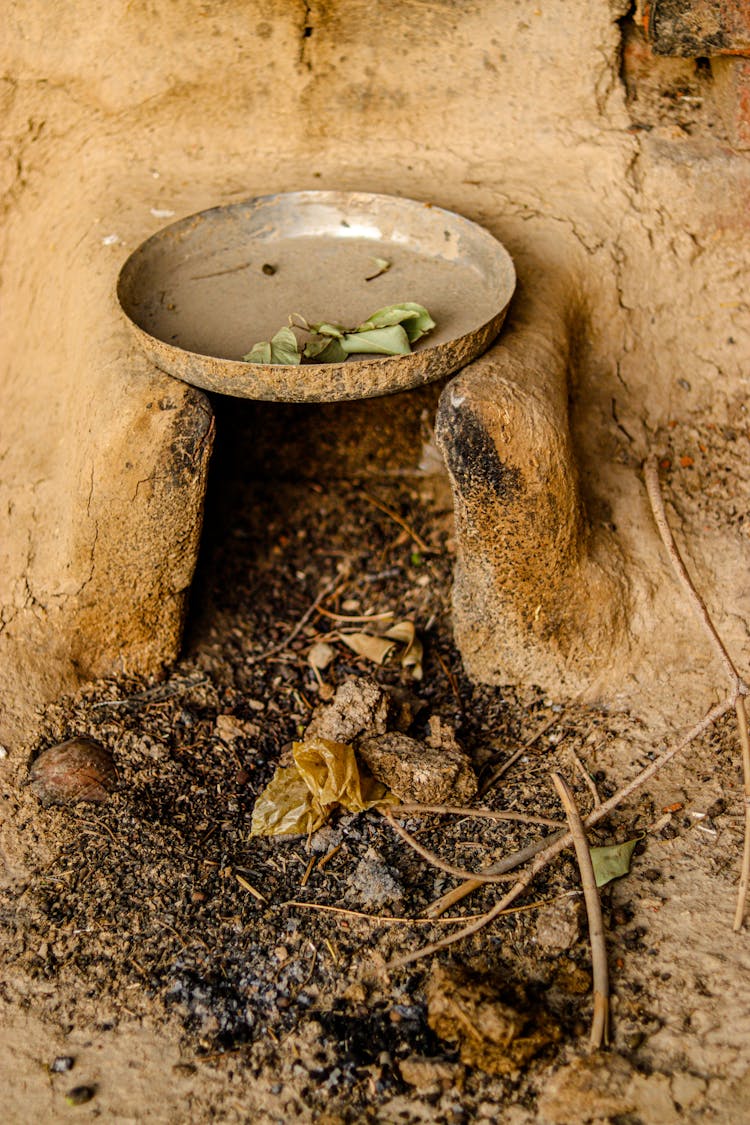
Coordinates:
132 945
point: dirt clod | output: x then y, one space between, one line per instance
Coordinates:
497 1027
417 772
359 707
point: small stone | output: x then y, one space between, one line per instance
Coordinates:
558 926
77 770
229 728
62 1064
419 773
79 1095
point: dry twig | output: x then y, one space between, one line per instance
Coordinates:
559 843
651 475
435 860
326 592
507 863
586 777
468 811
417 539
593 910
741 709
511 761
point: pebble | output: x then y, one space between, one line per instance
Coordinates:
62 1064
79 1095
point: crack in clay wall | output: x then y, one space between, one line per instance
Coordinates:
513 115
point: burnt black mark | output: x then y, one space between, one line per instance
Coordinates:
472 456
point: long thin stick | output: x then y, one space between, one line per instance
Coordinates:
469 811
508 863
651 476
741 710
561 842
599 1024
435 860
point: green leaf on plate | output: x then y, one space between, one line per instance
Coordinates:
282 349
612 861
380 341
415 319
325 350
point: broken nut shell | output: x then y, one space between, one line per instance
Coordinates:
77 770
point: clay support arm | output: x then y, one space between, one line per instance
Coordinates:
538 598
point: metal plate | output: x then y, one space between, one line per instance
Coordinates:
198 298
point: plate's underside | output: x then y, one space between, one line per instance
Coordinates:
198 297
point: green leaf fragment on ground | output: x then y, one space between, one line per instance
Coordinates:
612 861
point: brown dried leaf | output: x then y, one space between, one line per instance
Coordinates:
406 634
371 647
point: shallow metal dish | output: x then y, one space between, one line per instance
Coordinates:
197 296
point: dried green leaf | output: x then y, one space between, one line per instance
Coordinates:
415 319
392 340
259 353
612 861
325 329
282 349
325 350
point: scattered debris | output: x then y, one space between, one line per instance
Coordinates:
77 770
373 883
321 655
382 266
497 1026
377 647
